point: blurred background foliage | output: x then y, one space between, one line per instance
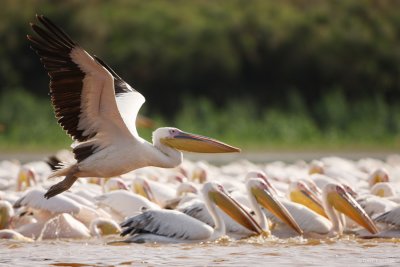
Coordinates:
261 74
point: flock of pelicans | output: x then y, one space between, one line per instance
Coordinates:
198 202
174 200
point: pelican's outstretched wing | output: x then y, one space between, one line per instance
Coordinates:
129 101
82 91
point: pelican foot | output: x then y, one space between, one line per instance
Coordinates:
61 186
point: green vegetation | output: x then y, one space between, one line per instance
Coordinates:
261 74
29 124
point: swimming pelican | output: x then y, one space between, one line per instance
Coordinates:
383 189
6 214
374 205
170 226
122 203
392 220
98 110
390 217
260 193
380 175
45 211
159 193
114 183
300 192
26 178
336 201
64 226
102 227
13 235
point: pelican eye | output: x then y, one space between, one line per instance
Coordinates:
340 189
173 131
220 188
301 185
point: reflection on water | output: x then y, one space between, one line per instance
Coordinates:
346 251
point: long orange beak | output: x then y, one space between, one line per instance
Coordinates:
145 191
235 211
345 203
197 143
308 199
266 199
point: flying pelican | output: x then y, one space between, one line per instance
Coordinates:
170 226
98 110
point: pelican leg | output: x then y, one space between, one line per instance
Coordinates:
60 187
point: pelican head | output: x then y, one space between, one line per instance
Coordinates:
350 190
176 178
378 176
115 183
200 172
104 226
383 190
142 187
6 213
217 194
183 141
186 187
13 235
22 216
316 166
26 178
299 192
262 176
313 186
337 197
265 196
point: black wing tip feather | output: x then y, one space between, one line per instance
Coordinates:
54 46
120 86
51 33
99 60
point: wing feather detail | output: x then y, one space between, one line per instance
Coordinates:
167 223
129 101
83 92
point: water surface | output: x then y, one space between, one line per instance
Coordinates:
347 251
